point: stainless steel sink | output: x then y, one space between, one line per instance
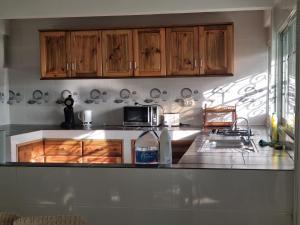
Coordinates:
224 140
231 139
225 144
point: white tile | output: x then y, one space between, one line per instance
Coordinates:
149 188
43 186
105 216
242 218
8 188
162 217
233 189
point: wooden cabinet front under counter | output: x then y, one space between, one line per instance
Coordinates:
71 151
102 151
61 147
32 152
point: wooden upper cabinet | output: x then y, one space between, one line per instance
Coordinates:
217 49
117 53
53 49
182 51
86 53
149 52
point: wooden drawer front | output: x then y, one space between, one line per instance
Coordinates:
33 152
102 148
63 148
106 160
63 159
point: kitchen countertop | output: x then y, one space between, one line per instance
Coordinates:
15 129
196 156
233 158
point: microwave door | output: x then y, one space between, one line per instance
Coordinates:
136 116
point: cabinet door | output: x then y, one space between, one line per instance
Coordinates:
63 147
117 53
110 148
31 152
182 51
102 151
217 52
53 49
86 54
149 52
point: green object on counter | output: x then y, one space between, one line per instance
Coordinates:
263 143
274 144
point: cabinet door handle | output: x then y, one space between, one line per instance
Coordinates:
135 65
201 63
67 66
73 66
195 63
130 65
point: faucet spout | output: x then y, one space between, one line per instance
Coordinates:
234 127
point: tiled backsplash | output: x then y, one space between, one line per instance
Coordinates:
247 94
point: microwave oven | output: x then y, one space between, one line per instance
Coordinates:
141 116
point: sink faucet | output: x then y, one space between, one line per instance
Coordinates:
234 127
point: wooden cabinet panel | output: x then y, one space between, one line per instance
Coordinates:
63 159
117 53
102 151
217 52
71 151
182 51
149 52
102 160
54 48
111 148
179 147
31 152
86 53
58 147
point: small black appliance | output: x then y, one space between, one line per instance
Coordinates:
69 122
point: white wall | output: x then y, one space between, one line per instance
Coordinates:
121 196
4 108
247 87
15 9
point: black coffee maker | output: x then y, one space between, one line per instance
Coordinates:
69 122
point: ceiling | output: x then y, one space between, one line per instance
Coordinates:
16 9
